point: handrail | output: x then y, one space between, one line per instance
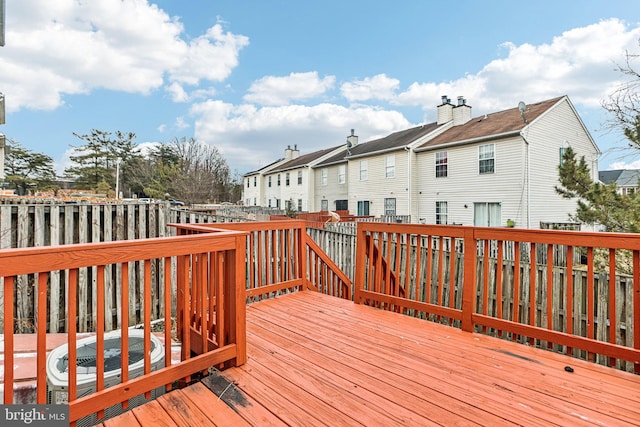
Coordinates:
462 275
41 262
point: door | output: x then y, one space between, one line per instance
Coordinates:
363 208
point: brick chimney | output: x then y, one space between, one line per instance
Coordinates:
445 111
461 112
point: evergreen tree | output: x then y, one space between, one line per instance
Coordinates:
597 203
26 170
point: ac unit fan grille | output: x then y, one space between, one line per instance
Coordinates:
86 355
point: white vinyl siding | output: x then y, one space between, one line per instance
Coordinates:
390 166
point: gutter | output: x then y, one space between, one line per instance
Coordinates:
470 141
528 174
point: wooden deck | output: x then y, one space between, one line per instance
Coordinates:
319 360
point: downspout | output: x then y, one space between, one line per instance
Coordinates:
409 189
528 175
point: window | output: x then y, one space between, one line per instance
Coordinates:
486 158
562 151
255 181
363 208
299 205
441 212
278 203
487 214
248 182
342 174
255 202
299 177
324 205
390 166
342 205
278 180
269 202
324 176
287 179
442 164
389 206
364 170
269 181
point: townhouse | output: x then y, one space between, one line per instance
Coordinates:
498 169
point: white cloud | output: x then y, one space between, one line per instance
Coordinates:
376 87
250 137
578 63
64 47
273 90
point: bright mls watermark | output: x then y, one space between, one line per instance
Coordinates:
34 415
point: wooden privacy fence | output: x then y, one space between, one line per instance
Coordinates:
447 273
219 331
23 226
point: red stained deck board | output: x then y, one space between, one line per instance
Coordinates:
314 358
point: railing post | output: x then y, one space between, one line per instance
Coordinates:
235 300
302 254
469 283
360 263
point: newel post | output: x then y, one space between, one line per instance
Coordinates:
358 281
235 299
469 282
302 255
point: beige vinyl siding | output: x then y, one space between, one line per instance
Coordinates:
330 192
546 136
464 185
377 187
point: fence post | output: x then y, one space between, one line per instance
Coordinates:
469 282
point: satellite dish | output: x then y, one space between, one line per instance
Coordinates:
522 106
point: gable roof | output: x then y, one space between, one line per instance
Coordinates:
501 123
621 177
396 140
263 169
304 160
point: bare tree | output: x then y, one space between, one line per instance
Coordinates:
623 104
203 173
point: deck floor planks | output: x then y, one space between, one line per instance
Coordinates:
182 410
311 357
358 405
215 409
152 414
554 381
501 351
534 400
458 399
348 372
553 378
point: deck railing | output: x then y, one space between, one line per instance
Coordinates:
204 262
282 257
451 274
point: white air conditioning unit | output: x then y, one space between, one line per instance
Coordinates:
58 369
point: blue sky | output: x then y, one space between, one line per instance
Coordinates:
252 77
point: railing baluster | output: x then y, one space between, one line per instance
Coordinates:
612 302
100 332
41 347
8 338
